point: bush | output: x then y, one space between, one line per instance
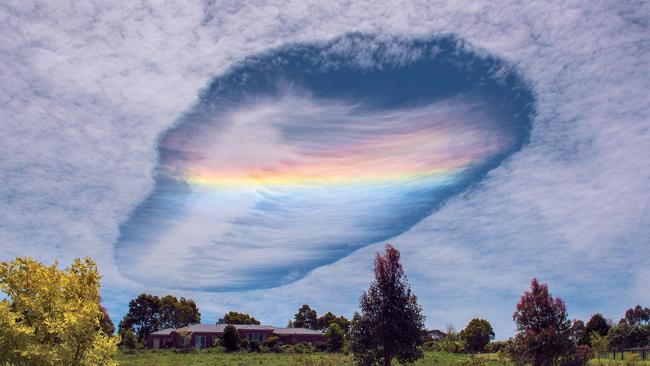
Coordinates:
231 339
334 337
578 357
244 344
471 361
285 348
254 346
496 346
272 343
303 348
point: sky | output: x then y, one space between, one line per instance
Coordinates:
254 156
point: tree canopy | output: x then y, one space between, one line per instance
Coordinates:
477 334
390 323
148 313
234 317
306 317
543 330
52 316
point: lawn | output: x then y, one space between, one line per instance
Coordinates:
214 358
208 357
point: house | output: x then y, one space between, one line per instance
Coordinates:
206 335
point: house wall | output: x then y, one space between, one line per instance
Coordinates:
299 338
174 340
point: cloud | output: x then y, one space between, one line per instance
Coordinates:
88 88
291 162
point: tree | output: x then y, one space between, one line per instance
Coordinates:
231 339
175 313
148 313
329 318
597 324
343 322
143 315
306 318
233 317
105 322
477 334
579 332
637 315
543 330
52 316
334 337
599 343
325 320
625 335
391 324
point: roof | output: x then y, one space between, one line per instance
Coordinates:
167 331
302 331
218 328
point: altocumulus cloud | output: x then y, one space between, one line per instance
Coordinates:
88 89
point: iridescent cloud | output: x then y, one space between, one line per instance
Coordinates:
298 157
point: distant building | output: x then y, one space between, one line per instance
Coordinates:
206 335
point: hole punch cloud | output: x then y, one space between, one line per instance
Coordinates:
297 157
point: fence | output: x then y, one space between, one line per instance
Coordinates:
643 352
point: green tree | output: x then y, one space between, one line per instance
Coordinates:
51 317
148 313
598 324
476 335
579 332
306 317
391 324
334 337
175 313
599 343
325 320
143 316
231 339
233 317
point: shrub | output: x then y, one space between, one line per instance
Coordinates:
578 357
254 346
496 346
471 361
272 343
231 339
334 337
303 348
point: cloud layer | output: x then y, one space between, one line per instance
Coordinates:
89 87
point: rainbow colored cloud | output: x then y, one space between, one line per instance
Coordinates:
295 158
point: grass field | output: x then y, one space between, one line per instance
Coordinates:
212 358
205 358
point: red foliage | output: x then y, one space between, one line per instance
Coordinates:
543 330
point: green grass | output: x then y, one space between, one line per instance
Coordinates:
212 358
618 362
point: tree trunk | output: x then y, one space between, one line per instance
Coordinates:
387 358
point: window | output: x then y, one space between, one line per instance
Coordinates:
199 342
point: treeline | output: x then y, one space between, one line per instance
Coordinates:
542 319
53 316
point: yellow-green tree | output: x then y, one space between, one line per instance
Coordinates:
51 317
